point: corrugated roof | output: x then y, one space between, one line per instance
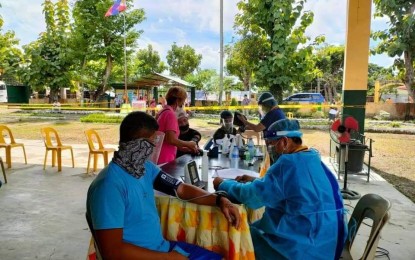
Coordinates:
156 79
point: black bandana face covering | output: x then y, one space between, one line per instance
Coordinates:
132 155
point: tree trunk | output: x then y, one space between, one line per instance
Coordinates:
247 83
276 90
54 95
327 92
107 74
409 73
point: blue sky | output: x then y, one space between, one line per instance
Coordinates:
192 22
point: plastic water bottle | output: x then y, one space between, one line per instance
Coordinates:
238 140
225 145
251 148
247 155
235 157
205 166
232 145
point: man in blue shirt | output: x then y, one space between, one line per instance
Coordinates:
121 204
269 110
304 212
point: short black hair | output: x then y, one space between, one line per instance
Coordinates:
226 114
133 123
297 140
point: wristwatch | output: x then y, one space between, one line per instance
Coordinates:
219 196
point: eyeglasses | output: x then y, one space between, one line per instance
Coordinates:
273 142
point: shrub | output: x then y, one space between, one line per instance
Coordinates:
318 114
395 124
102 118
234 102
290 109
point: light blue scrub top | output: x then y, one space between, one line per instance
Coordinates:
301 219
118 200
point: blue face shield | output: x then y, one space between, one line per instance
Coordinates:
273 154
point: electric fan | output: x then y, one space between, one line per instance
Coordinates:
340 131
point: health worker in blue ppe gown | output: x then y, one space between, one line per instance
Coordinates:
304 212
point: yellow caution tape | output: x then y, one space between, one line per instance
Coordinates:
95 106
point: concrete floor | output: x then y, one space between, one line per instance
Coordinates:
42 212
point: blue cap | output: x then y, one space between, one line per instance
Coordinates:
267 99
283 127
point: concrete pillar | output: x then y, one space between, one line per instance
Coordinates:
356 60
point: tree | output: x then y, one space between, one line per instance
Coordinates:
379 73
182 60
330 64
147 61
242 57
10 55
50 67
104 36
201 78
399 39
286 57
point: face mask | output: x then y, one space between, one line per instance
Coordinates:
273 154
184 128
263 110
228 126
179 110
132 155
260 111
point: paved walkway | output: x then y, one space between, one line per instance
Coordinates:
42 212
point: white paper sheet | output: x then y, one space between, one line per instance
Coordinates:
233 173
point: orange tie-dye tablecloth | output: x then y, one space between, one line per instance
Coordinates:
205 226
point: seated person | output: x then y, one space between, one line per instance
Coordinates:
226 120
333 112
304 212
121 206
187 134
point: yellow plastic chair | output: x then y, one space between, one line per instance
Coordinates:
5 131
2 169
53 143
290 115
370 206
95 148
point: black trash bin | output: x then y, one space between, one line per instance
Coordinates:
356 156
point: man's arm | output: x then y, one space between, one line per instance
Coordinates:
253 193
196 136
171 138
112 246
189 192
250 126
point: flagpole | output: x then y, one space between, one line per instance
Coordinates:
125 63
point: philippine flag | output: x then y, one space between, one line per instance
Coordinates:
116 8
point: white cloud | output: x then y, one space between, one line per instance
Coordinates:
329 20
192 22
25 18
